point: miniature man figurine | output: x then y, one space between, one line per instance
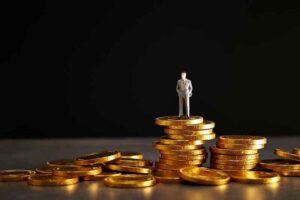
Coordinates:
184 89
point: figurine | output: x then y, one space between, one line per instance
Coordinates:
184 89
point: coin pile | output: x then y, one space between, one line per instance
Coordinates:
111 166
287 165
236 152
182 146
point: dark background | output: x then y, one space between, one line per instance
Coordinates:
109 68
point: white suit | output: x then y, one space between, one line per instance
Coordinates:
184 89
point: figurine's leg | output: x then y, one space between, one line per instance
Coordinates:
180 107
187 106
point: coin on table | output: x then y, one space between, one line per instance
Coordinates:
180 162
163 147
251 157
130 181
133 162
254 177
233 151
280 164
100 177
234 162
96 158
166 140
129 169
239 146
187 132
183 157
15 175
296 151
242 139
59 163
204 125
233 167
167 179
49 180
205 176
174 120
201 150
167 172
287 155
192 137
131 155
76 171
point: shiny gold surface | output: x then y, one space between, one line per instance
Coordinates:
242 139
204 125
49 180
287 155
233 151
204 176
258 177
240 146
174 120
76 171
97 158
280 164
166 140
15 175
130 181
187 132
130 169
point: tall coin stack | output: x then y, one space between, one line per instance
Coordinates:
182 146
236 152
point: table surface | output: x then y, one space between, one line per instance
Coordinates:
30 154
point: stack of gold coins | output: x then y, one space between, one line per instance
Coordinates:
236 152
182 146
288 165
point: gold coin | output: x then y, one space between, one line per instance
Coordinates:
174 120
130 169
242 139
239 146
59 163
235 162
233 167
251 157
187 132
163 147
204 176
295 173
45 170
296 151
184 152
165 140
204 125
181 162
159 165
280 164
192 137
254 177
183 157
287 155
130 181
132 155
15 175
233 151
133 162
167 179
166 172
49 180
76 171
99 177
96 158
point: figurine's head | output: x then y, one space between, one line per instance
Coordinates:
183 75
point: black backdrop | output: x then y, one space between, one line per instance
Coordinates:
109 68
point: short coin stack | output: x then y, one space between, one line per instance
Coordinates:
288 165
236 152
182 146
